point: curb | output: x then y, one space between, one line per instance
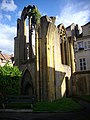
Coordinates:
31 111
12 110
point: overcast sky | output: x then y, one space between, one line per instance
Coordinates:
66 12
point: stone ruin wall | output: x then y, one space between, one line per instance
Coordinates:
52 71
21 52
81 83
51 65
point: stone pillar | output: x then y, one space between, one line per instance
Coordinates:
22 42
68 52
30 39
48 73
24 23
17 43
72 56
63 51
40 66
37 63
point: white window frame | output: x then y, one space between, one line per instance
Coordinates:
88 44
80 45
85 45
82 62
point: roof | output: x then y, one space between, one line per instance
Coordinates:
5 56
83 37
70 26
86 24
2 56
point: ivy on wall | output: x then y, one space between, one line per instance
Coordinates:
9 80
35 15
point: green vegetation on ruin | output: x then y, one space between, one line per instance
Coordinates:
85 97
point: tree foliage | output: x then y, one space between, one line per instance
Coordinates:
9 80
35 15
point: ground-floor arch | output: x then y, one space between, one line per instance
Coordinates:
27 84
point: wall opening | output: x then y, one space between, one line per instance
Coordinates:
28 90
27 84
67 86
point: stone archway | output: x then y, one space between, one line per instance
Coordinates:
27 84
28 89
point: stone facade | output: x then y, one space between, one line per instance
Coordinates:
82 55
80 82
82 49
46 74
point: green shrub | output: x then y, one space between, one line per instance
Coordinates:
9 80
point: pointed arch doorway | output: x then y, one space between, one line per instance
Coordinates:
27 84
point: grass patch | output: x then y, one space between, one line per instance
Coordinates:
85 97
64 104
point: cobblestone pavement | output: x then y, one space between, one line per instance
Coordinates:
79 115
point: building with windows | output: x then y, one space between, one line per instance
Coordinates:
82 49
81 76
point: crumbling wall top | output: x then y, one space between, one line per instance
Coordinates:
61 29
49 19
25 11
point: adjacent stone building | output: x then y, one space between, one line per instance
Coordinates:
82 49
46 70
81 79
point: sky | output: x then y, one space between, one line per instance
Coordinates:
65 11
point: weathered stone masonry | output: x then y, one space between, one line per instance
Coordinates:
46 74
